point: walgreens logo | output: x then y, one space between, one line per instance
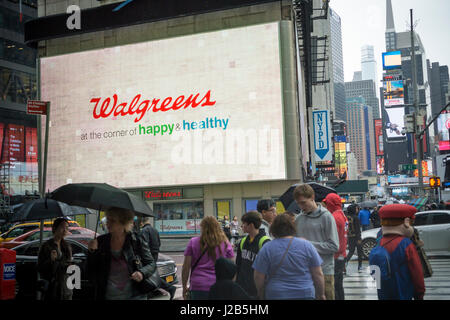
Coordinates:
106 107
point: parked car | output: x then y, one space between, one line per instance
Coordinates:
26 268
46 233
22 228
434 230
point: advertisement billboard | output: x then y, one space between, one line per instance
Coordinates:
380 165
393 93
394 123
379 137
443 126
340 154
185 110
392 60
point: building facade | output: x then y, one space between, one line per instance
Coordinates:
18 132
190 173
365 89
361 133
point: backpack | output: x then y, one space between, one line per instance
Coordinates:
260 244
394 277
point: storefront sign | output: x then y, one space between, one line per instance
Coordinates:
178 226
163 195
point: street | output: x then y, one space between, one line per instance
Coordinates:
361 286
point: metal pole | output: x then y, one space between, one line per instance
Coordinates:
39 129
44 173
418 137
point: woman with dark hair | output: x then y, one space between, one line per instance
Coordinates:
55 256
288 268
200 257
112 262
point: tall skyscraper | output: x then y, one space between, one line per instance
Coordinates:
365 89
361 133
368 64
337 64
391 39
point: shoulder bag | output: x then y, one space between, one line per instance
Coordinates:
147 285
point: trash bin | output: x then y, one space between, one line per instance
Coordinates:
7 274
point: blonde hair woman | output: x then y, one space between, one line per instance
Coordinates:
111 257
200 257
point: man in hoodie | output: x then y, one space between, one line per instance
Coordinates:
317 225
334 205
225 288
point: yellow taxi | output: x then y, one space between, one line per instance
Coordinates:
20 229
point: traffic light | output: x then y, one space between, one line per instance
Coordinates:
435 182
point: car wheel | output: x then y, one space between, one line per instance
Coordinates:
367 246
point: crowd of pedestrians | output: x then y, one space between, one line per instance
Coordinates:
282 256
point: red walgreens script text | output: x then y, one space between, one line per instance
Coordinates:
104 109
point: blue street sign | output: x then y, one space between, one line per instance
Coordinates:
322 138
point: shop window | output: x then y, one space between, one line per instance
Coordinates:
223 208
178 217
280 207
250 204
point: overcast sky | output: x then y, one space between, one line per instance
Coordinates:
364 22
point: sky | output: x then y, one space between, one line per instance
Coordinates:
364 22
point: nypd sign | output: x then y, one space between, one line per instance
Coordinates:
322 135
9 271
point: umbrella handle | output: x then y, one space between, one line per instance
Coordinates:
96 225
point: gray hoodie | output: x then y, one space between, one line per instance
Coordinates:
319 227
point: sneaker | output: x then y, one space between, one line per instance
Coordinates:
360 269
172 290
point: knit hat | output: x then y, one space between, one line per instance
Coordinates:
225 269
394 214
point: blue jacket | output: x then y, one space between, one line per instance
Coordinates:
364 217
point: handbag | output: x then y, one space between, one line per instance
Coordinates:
147 285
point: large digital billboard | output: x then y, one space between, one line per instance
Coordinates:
203 108
443 126
394 123
392 60
393 93
379 137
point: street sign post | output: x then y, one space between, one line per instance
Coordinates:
37 107
323 149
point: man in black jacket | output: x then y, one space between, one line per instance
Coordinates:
354 235
151 236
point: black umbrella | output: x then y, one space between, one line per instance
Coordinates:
368 204
100 196
320 192
43 209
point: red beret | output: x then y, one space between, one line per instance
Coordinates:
397 211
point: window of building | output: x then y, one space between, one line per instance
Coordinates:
178 217
250 204
222 208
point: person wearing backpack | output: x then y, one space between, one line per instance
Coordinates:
248 249
398 269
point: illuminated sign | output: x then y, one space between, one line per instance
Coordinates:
443 125
379 137
394 122
163 194
144 115
393 93
392 60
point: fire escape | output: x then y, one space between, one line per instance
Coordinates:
312 48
